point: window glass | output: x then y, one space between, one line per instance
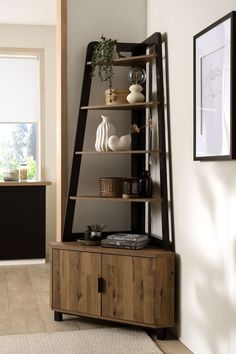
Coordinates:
18 146
19 113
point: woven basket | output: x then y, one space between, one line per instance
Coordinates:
116 97
111 186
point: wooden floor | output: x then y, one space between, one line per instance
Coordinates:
24 306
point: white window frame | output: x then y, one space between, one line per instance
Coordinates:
41 123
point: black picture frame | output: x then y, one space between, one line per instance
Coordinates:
214 90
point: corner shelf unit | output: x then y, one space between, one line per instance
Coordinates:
122 285
139 56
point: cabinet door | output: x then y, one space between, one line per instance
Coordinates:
75 281
129 288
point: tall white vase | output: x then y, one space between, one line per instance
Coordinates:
104 131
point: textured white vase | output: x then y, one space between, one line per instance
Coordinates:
104 131
135 95
119 144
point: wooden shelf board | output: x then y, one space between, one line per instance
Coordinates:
135 60
115 199
117 152
140 105
149 252
130 61
24 183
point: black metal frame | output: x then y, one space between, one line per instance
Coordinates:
137 161
232 155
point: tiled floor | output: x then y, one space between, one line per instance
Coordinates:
24 306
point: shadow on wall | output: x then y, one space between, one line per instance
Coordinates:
217 310
214 312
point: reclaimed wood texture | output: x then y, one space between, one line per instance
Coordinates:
75 281
138 284
129 288
164 297
144 252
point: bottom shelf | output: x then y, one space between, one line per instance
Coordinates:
156 240
115 199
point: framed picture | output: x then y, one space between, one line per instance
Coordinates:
215 91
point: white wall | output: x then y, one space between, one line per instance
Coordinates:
20 36
87 21
204 192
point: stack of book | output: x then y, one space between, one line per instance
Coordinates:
129 241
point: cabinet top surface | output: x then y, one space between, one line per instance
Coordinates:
24 183
145 252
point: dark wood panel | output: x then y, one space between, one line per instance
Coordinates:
22 222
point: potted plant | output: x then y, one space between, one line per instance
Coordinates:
96 230
102 57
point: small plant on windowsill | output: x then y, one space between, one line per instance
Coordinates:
102 58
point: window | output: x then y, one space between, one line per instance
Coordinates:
20 112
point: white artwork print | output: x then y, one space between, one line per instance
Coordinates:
213 92
211 101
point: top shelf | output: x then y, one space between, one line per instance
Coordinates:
130 61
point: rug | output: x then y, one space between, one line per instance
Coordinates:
92 341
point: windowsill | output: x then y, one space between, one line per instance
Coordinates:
24 183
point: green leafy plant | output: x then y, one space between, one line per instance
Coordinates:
96 227
102 58
31 168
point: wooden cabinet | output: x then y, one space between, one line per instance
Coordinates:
128 286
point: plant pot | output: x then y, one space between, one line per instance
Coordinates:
96 235
116 96
11 175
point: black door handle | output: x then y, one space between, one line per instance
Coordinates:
100 285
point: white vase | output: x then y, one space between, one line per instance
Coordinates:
119 144
104 131
135 95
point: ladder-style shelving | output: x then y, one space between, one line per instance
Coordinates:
140 55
